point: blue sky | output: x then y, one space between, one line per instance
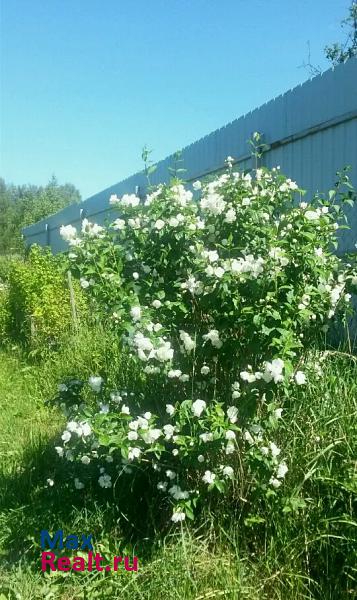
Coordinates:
86 83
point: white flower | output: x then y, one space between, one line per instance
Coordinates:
134 453
230 435
213 337
95 383
170 474
232 414
275 482
130 200
50 482
91 229
78 484
197 185
66 436
213 203
72 426
264 450
173 222
105 481
228 472
68 232
275 451
230 448
178 494
200 458
169 431
135 313
231 216
147 416
164 352
219 272
229 160
278 413
62 387
300 378
109 458
85 460
132 436
86 429
59 450
84 283
273 370
205 370
159 224
193 286
181 195
312 215
282 470
248 438
135 275
125 410
206 437
187 341
151 435
134 223
69 455
246 376
208 477
119 224
140 423
174 373
198 407
104 408
156 304
161 486
170 409
114 199
184 377
211 255
178 516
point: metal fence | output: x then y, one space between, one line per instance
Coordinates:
310 131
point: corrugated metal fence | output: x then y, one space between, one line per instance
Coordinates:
311 132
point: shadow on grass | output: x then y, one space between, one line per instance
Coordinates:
129 516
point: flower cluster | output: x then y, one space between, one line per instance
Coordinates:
217 295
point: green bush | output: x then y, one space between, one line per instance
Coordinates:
5 266
4 312
39 299
218 302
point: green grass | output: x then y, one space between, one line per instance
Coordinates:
309 552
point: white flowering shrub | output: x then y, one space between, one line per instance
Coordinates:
217 298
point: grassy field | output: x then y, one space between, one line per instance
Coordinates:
309 552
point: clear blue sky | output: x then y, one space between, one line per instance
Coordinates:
86 83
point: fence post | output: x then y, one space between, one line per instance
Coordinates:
48 235
73 301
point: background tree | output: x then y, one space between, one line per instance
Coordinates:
22 205
339 53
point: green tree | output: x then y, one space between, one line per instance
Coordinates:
23 205
339 53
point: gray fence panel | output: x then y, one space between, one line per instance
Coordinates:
311 131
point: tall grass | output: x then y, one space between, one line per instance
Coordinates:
237 549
